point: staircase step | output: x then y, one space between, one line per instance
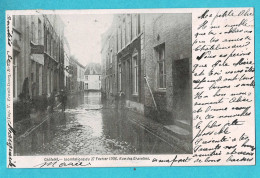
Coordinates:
183 124
178 131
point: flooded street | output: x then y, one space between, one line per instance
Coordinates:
90 127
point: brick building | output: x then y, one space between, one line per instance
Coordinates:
151 65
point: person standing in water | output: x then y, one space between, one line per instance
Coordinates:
63 96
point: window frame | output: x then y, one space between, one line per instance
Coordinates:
120 76
123 33
111 58
33 31
158 49
40 38
135 73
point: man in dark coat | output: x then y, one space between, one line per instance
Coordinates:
63 100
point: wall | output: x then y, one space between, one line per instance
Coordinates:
174 30
27 64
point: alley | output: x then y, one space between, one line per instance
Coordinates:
89 127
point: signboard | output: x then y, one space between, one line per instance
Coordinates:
37 49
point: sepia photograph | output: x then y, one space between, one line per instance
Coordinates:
102 84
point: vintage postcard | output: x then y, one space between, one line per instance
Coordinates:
130 88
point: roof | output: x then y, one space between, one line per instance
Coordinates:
74 60
93 69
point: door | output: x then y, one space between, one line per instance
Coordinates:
183 89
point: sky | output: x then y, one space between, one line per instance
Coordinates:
83 32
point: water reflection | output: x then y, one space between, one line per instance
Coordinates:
113 128
118 126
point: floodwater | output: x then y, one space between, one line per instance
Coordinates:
90 127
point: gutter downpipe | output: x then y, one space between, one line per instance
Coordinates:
150 92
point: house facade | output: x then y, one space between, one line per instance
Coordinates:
151 64
38 65
80 76
76 75
92 77
168 66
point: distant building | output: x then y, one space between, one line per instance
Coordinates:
77 75
92 76
80 76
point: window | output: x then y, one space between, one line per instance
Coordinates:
57 49
48 81
119 39
135 74
107 60
49 43
111 57
120 77
134 22
123 33
40 79
135 25
39 32
99 77
138 24
86 86
45 39
33 32
86 77
111 83
33 78
160 54
52 82
128 28
51 50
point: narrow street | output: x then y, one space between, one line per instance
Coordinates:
89 127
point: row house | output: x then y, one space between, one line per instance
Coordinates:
73 72
109 63
54 53
38 55
76 71
80 76
121 60
150 64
